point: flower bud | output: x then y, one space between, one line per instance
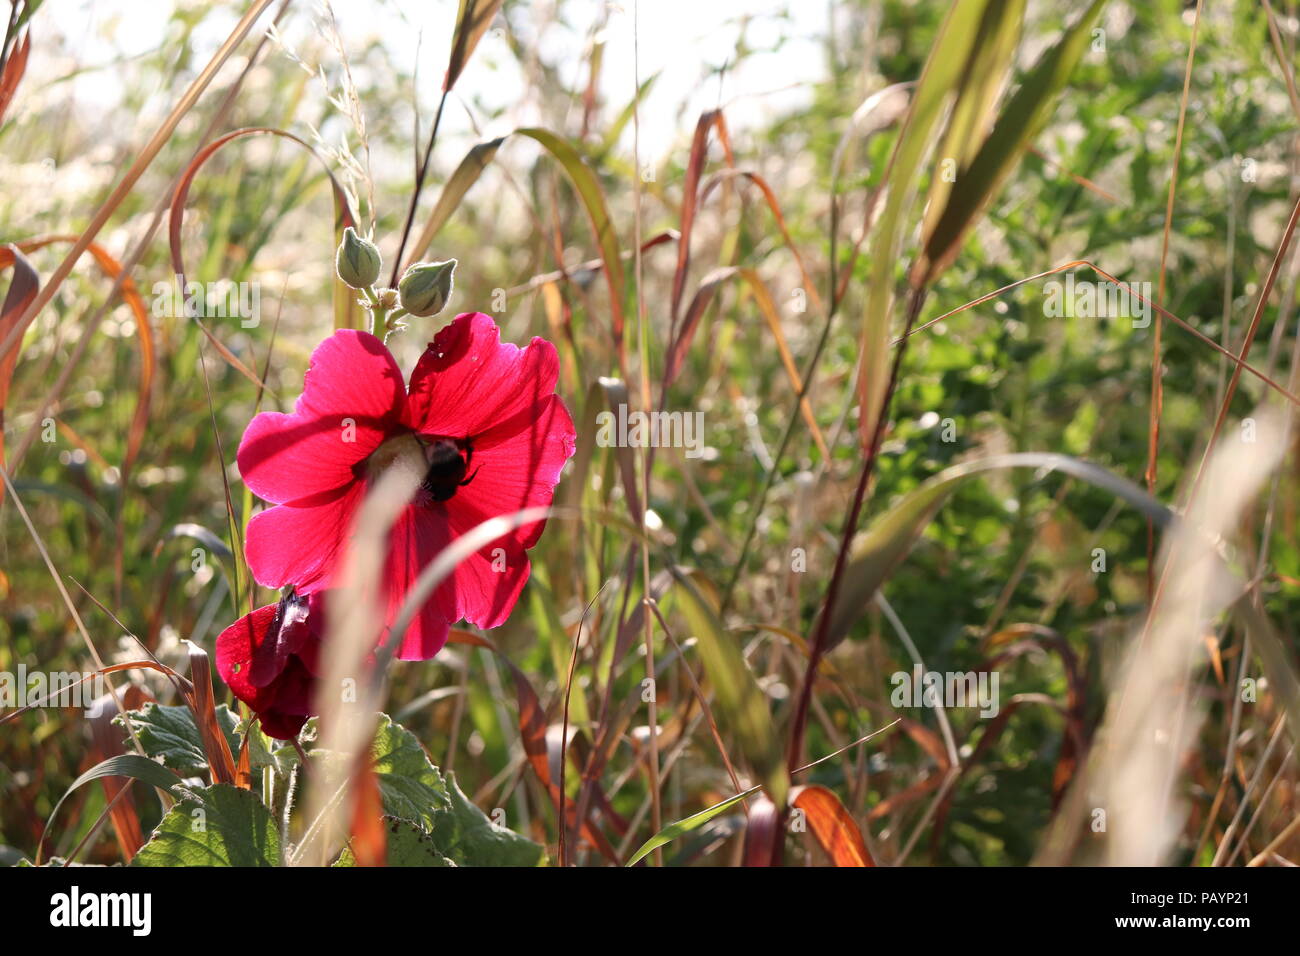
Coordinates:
357 260
426 287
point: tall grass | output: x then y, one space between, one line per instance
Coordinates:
867 340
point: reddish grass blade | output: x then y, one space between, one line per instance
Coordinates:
369 840
176 678
22 290
472 20
532 734
896 801
700 302
764 835
691 197
14 69
10 340
990 735
1035 637
927 740
106 742
774 205
244 766
201 703
834 828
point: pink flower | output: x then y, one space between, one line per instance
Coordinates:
269 659
480 420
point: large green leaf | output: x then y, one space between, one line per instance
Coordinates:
169 733
414 790
409 844
468 837
219 825
411 787
883 545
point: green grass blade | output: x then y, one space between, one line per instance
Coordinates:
686 825
1024 115
883 545
940 77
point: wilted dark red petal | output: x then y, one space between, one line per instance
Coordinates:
280 725
236 648
468 381
254 658
352 397
286 633
300 544
295 691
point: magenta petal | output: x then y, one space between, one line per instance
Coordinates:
417 537
426 636
301 543
518 470
467 381
352 396
487 584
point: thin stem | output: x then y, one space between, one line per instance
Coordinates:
652 715
420 173
818 646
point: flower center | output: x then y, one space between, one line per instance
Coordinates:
404 451
440 462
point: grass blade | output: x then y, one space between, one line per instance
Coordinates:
943 70
1004 147
883 545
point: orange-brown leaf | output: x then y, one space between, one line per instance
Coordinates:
836 831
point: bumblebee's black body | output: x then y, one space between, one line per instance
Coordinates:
447 467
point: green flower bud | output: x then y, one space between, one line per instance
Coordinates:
426 287
357 260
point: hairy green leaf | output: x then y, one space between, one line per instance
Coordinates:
169 733
220 825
